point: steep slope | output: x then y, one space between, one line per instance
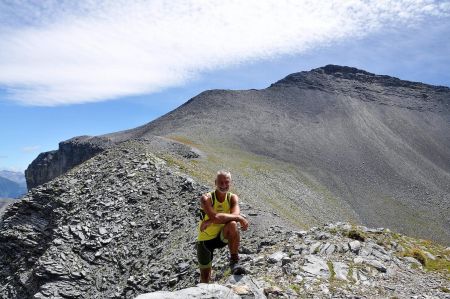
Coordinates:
375 148
335 143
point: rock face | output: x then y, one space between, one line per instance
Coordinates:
75 151
124 223
71 153
336 143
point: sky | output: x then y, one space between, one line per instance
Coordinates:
71 68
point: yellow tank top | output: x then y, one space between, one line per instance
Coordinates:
214 229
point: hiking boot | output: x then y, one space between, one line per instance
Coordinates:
237 269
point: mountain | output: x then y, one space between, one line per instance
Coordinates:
15 176
123 224
331 144
11 189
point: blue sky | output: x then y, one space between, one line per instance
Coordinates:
92 68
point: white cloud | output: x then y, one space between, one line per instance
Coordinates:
30 149
63 52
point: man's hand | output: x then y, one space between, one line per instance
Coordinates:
205 224
244 223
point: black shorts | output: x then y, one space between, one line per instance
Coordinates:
205 250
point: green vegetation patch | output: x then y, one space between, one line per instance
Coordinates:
357 234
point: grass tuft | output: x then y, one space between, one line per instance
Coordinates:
357 234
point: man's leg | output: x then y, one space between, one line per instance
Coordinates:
204 256
205 275
231 233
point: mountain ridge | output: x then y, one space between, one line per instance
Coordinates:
355 150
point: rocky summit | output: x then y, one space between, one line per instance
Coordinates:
123 224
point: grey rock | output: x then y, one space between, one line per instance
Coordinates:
429 255
316 266
412 260
314 248
245 286
202 290
341 270
330 249
376 264
276 257
285 260
354 246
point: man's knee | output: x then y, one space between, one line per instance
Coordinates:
231 229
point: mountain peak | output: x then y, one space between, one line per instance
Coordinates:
319 78
332 69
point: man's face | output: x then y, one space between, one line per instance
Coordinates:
223 183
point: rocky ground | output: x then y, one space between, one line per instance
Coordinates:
124 223
4 203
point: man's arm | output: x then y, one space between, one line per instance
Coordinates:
222 218
236 210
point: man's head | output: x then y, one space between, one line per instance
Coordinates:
223 181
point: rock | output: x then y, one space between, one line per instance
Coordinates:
354 246
241 290
340 270
246 286
71 152
301 233
285 260
330 249
429 256
412 260
324 247
202 290
322 236
376 264
276 257
314 248
316 266
299 248
57 241
273 292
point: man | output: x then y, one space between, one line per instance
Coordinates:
218 226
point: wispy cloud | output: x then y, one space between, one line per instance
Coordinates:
30 149
63 52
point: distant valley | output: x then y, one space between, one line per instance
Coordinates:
12 184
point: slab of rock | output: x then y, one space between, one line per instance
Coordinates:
245 286
376 264
276 257
202 290
340 270
316 266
